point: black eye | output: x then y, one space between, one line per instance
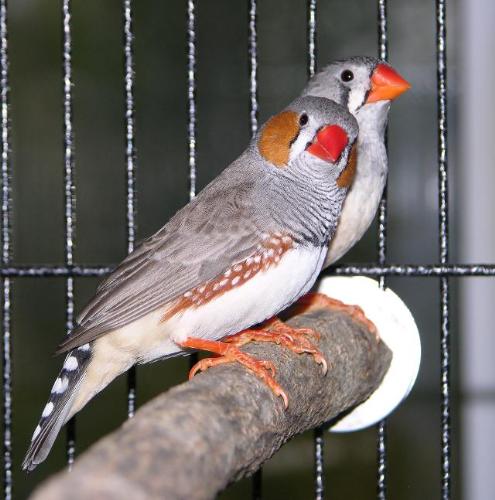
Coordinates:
347 75
303 119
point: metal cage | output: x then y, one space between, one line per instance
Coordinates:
70 269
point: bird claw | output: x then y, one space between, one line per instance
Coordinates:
269 366
277 332
314 301
228 353
276 325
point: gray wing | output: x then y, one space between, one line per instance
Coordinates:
201 241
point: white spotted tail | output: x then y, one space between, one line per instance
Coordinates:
57 411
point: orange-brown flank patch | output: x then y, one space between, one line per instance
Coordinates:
268 253
347 175
276 137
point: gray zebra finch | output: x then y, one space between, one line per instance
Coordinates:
249 245
365 86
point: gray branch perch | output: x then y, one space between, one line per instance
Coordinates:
194 440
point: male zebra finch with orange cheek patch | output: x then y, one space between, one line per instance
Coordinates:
249 245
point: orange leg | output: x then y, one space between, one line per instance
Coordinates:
230 353
275 324
276 331
313 301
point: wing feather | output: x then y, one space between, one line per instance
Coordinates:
196 245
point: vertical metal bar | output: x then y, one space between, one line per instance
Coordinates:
441 37
319 463
6 252
257 482
130 156
381 476
318 436
253 66
312 49
69 192
191 109
191 95
382 213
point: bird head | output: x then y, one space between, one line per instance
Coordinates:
358 81
312 135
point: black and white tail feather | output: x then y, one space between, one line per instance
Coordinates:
58 408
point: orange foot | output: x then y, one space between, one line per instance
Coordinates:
313 301
276 331
265 370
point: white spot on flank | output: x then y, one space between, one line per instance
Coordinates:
264 236
188 294
287 239
275 241
247 274
291 278
270 253
249 261
202 289
71 363
216 286
47 410
227 273
237 267
36 432
277 234
236 280
257 259
279 251
84 347
223 283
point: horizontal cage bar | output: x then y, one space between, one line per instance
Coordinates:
402 270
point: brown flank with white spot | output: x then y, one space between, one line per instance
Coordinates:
269 253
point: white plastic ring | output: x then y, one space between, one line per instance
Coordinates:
397 328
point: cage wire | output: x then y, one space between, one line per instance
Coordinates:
257 480
130 159
71 270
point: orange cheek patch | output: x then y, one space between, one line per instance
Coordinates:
347 175
276 137
268 253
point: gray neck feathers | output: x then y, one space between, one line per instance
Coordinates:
372 119
301 200
306 202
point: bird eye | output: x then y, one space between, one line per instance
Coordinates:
347 75
303 119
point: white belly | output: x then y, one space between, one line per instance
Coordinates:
258 299
362 200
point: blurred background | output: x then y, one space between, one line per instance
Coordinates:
345 28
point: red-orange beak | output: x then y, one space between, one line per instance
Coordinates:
329 143
386 84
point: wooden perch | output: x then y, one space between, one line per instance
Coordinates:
194 440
